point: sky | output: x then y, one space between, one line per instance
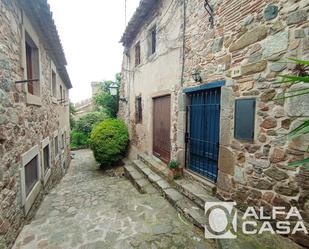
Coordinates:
90 32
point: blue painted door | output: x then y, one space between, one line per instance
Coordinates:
203 127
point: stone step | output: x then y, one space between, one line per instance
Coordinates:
195 213
190 188
183 204
138 180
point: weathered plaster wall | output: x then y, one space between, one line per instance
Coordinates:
256 36
23 126
157 75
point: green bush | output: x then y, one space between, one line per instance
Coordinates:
109 141
79 140
86 123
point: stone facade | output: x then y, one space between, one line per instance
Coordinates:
157 75
30 122
247 46
256 37
83 107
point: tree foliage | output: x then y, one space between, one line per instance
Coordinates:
104 101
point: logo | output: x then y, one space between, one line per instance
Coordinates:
222 221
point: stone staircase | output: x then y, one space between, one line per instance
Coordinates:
149 175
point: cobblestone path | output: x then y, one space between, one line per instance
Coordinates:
91 210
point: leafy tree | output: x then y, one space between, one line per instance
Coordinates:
80 135
72 113
86 123
104 101
300 74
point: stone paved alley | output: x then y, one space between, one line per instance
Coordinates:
89 209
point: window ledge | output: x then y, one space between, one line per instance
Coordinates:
32 196
33 100
54 100
152 56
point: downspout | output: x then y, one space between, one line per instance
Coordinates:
182 75
183 41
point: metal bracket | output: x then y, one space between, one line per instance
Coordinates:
210 11
26 81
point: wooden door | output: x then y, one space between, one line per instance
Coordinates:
162 128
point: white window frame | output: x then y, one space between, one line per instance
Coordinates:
27 201
45 176
27 28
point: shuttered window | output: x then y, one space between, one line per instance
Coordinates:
31 174
244 119
32 66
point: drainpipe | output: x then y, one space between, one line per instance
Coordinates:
183 41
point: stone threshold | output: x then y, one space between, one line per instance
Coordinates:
189 202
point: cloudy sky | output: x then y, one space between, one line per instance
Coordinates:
90 32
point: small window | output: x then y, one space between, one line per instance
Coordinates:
61 93
31 174
138 110
56 146
54 84
244 119
153 40
62 140
32 64
137 54
46 157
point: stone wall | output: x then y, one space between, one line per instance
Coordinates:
23 126
255 37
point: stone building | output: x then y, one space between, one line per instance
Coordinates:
34 111
198 84
83 107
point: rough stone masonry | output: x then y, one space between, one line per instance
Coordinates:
24 125
248 47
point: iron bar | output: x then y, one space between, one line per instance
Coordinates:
26 81
210 11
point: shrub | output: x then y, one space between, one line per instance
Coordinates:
109 141
79 140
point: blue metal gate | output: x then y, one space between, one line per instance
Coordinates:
202 135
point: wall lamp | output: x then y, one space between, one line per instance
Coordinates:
196 75
210 11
